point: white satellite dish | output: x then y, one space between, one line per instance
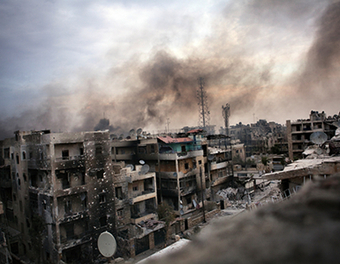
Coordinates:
142 162
107 244
318 138
130 166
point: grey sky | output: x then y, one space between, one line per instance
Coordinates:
66 64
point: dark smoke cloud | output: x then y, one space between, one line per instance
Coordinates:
319 78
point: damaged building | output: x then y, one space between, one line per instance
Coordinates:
63 181
299 132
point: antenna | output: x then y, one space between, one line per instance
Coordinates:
144 170
226 114
204 114
318 137
107 244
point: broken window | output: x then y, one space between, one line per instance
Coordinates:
119 193
102 198
65 154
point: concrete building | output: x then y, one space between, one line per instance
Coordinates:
299 132
58 194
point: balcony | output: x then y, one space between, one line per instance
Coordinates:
142 217
75 240
69 163
145 195
135 176
218 165
181 155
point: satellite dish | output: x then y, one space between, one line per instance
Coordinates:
210 157
318 138
130 166
107 244
145 169
132 133
139 131
142 162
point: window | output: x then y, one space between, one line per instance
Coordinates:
81 151
100 174
24 176
99 150
65 154
68 207
17 158
23 155
152 148
28 223
31 155
135 188
83 178
102 198
119 193
200 162
103 221
6 153
120 213
183 148
186 166
12 156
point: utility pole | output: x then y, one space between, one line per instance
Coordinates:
202 196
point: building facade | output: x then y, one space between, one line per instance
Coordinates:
58 194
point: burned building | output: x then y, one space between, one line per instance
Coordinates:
58 194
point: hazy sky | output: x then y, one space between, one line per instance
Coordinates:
64 65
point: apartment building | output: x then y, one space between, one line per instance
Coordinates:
299 132
136 203
177 162
62 181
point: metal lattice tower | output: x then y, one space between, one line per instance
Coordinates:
204 114
226 114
